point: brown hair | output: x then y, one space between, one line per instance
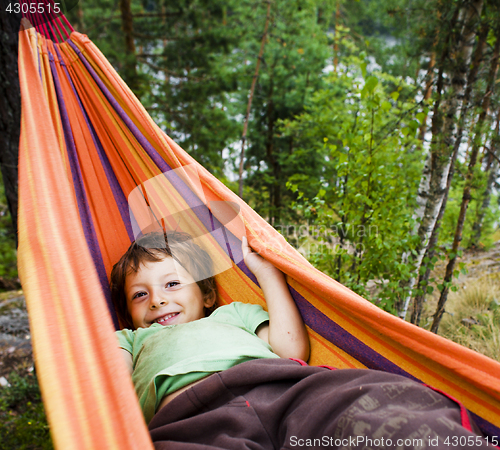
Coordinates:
155 247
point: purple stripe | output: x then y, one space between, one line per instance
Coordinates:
119 196
487 428
335 334
81 196
228 246
338 336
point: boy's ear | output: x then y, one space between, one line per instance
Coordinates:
210 299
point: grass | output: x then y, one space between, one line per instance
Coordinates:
22 416
23 425
472 317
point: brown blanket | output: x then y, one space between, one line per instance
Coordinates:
282 404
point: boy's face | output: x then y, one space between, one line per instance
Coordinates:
165 293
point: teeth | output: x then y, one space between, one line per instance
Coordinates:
164 318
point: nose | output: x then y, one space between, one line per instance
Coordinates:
156 301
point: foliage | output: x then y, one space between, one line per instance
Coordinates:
296 52
363 125
396 33
181 59
490 222
22 416
190 62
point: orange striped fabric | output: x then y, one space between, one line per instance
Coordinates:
86 144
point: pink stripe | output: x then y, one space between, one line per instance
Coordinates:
464 416
302 363
329 367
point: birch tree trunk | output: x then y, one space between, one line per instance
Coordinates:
468 184
424 186
423 279
428 85
336 39
492 170
444 128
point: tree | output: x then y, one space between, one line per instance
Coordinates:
10 110
444 127
296 53
10 119
430 254
491 170
130 74
250 98
466 197
178 59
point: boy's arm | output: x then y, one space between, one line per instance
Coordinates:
286 332
127 357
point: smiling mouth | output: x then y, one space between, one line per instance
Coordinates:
163 320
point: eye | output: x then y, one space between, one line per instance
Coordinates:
138 295
172 284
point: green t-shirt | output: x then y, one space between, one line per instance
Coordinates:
167 358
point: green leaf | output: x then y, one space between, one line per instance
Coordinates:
421 117
395 95
413 125
363 69
386 106
342 158
371 83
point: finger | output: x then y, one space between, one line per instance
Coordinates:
244 246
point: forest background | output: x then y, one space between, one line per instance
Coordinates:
366 132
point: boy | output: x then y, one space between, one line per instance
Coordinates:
232 378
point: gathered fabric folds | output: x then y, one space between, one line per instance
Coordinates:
86 144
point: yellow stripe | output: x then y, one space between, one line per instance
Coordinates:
323 352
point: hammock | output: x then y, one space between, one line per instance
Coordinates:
86 143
